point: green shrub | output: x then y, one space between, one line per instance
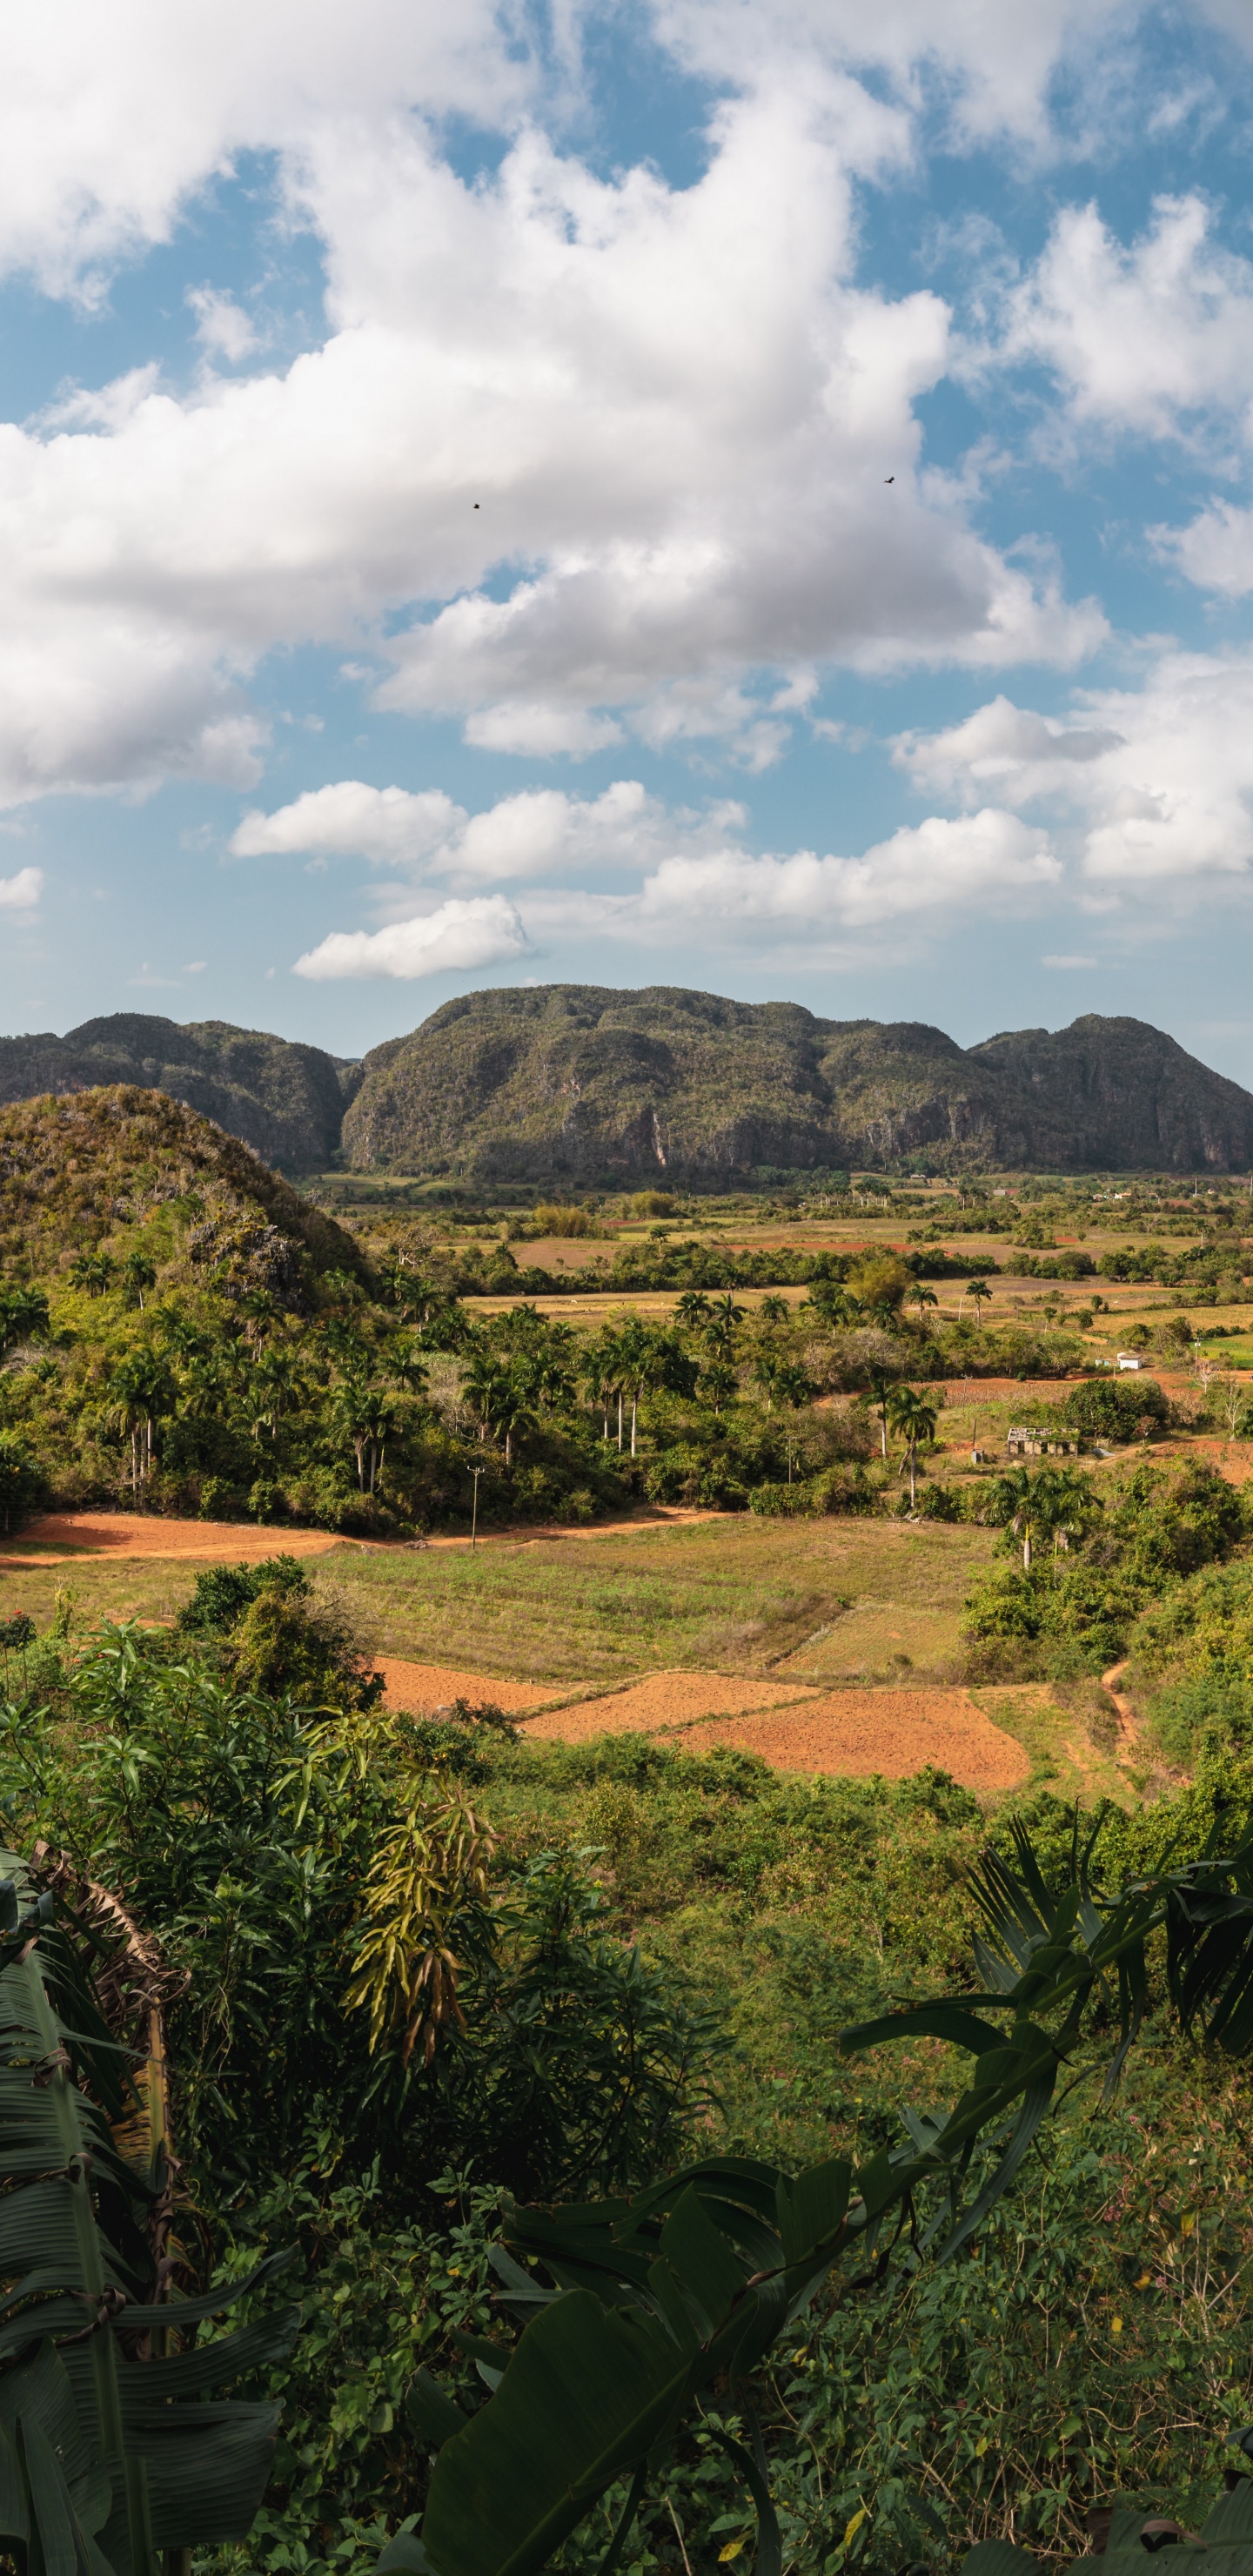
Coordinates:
1116 1408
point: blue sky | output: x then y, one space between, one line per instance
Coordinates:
293 734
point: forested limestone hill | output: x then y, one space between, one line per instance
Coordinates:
133 1171
573 1083
283 1099
576 1085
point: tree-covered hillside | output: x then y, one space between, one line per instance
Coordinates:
283 1099
573 1083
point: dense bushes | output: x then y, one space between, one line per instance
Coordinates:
1078 1611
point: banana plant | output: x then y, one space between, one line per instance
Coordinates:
113 2451
641 2314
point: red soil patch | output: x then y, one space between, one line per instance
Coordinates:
662 1701
894 1733
58 1536
423 1688
889 1732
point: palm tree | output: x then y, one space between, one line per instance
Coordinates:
773 1310
910 1414
637 1359
692 1309
794 1385
921 1296
880 1386
366 1418
1065 1503
139 1274
141 1389
94 1272
1025 1507
598 1374
718 1382
407 1367
979 1291
724 1319
484 1388
513 1415
766 1369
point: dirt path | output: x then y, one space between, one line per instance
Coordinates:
57 1538
1130 1745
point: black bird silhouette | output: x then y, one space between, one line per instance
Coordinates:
888 478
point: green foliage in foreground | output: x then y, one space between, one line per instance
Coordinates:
642 2313
108 2453
923 2408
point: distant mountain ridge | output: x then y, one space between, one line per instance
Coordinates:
574 1085
285 1100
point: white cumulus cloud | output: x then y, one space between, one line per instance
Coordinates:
457 937
675 408
1161 778
539 831
1141 338
940 865
22 892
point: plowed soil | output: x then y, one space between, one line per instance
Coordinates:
662 1702
424 1688
894 1733
61 1535
858 1732
57 1537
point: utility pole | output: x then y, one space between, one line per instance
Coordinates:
476 1472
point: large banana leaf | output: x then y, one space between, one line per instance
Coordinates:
105 2457
637 2311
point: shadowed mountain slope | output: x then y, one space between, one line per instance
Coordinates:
283 1099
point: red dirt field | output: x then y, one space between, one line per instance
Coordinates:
661 1702
424 1688
855 1732
59 1536
894 1733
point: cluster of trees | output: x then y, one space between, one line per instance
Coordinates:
1073 1608
389 1404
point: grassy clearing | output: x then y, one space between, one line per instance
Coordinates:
740 1596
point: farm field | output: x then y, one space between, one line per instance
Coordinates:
830 1647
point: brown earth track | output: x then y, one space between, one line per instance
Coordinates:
59 1537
